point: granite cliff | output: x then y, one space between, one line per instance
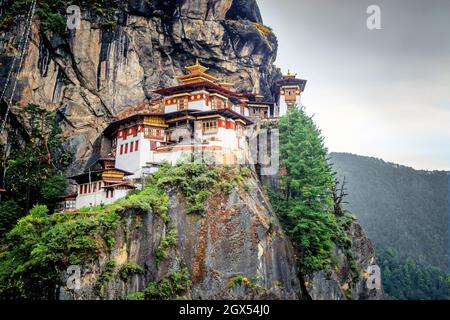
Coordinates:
236 250
89 74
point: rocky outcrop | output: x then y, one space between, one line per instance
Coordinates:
342 282
238 237
92 73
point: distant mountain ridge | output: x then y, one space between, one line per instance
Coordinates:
398 206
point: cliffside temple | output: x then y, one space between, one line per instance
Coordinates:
203 116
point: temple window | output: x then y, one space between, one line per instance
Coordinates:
136 146
182 103
220 104
290 94
210 126
131 146
121 149
126 148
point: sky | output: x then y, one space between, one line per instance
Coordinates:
382 93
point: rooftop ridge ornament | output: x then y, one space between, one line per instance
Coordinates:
290 74
197 73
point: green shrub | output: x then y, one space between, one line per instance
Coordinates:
136 296
39 210
240 280
52 12
167 241
129 269
151 199
106 276
170 287
53 187
198 181
10 211
52 21
40 247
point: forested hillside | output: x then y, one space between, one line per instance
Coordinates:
405 213
398 206
404 278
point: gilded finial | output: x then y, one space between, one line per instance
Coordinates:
290 74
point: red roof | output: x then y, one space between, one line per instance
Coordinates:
195 86
69 196
291 81
119 184
225 111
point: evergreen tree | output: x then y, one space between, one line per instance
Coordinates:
9 210
34 171
405 279
304 200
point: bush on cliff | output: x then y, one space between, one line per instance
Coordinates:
52 12
41 246
35 167
198 181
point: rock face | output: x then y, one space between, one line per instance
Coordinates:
340 283
91 73
239 236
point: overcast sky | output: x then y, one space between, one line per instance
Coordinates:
382 93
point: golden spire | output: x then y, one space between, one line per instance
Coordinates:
197 73
290 74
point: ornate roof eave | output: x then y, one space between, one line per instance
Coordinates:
292 81
197 71
186 87
113 126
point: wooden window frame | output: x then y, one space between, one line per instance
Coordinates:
210 127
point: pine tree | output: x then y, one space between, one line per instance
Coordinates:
304 201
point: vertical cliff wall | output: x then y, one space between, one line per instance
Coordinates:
238 237
92 73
